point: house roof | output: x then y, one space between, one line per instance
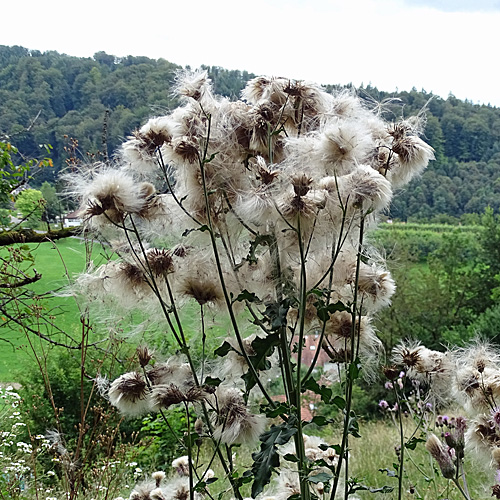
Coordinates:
77 214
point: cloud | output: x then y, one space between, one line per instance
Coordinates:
457 5
441 46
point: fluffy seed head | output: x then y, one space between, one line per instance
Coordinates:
181 465
111 194
233 422
130 394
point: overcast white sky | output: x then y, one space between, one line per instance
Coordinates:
440 46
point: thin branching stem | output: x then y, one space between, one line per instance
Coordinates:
343 456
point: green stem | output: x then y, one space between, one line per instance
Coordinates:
227 299
303 472
465 495
350 379
402 444
190 457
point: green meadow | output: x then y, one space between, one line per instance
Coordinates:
58 263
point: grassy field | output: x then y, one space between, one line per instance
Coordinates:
57 263
61 262
375 450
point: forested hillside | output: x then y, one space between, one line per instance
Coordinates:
100 100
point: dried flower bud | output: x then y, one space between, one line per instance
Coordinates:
198 426
129 393
391 372
160 262
441 455
164 396
495 457
186 149
495 491
301 183
132 273
181 465
158 476
145 355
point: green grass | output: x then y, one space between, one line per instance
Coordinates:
61 262
57 263
376 450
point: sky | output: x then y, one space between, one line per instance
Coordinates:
440 46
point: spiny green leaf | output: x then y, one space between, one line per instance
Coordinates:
321 420
223 349
339 402
267 459
201 228
353 426
247 296
390 473
354 370
412 443
263 347
277 411
323 391
212 381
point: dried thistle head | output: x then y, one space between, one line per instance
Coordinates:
110 195
164 396
199 286
149 138
158 477
263 172
160 261
181 465
132 273
186 149
408 355
130 394
375 285
301 184
193 84
144 354
198 426
478 355
181 250
174 371
391 372
233 423
142 491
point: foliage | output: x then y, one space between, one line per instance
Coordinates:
31 205
14 173
163 443
4 217
446 281
106 96
52 207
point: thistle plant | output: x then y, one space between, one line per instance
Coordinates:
256 211
465 379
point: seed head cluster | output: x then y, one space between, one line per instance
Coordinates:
259 204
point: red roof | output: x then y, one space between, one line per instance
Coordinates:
77 214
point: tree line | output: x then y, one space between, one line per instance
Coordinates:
51 98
